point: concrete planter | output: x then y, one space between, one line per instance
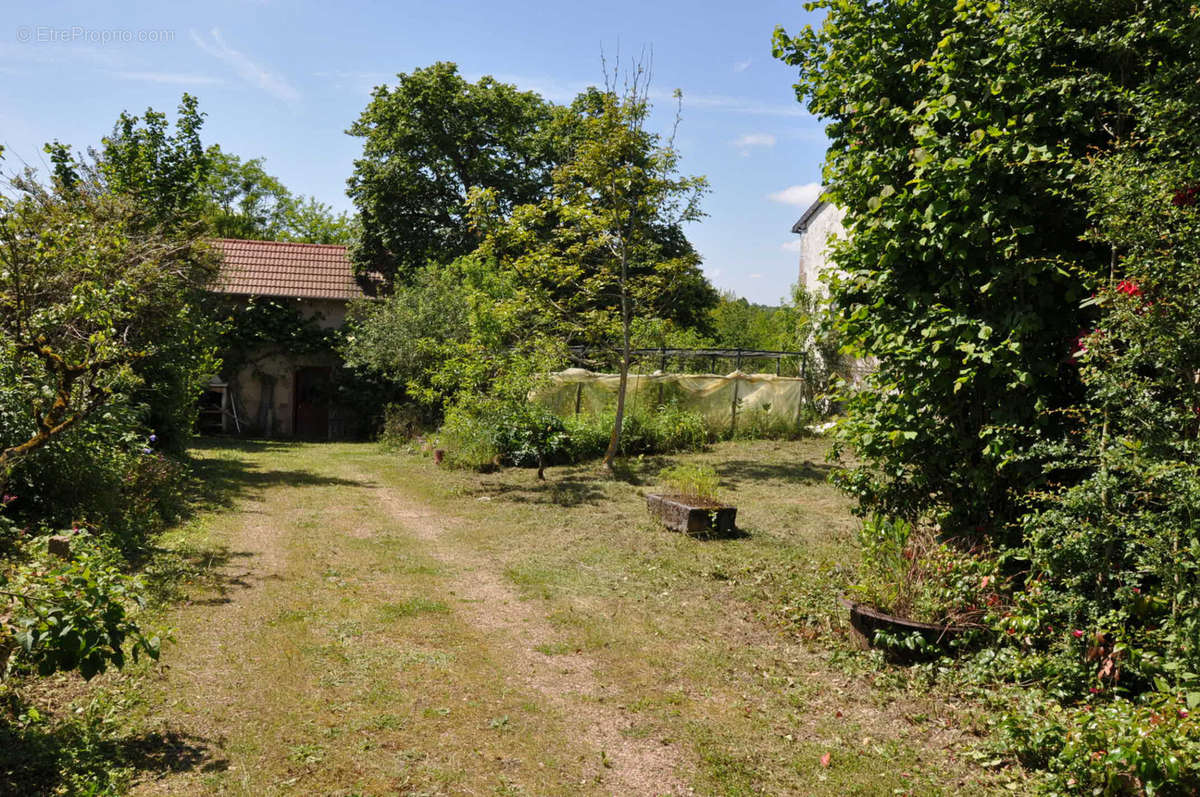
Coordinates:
678 514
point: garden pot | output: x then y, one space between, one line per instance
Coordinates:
439 456
692 517
866 621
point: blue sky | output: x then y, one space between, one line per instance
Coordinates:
282 79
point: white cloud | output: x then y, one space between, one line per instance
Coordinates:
800 195
246 68
170 77
749 141
728 104
754 276
742 66
794 245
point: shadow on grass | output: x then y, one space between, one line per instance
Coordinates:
569 489
78 756
804 472
250 446
221 481
171 574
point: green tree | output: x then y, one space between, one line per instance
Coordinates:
165 173
427 142
91 286
738 324
243 201
605 246
959 130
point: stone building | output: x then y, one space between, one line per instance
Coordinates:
278 390
820 222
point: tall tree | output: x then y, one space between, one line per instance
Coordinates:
957 133
427 142
241 200
605 246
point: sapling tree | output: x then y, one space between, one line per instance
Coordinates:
605 247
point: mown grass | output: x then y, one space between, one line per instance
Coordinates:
322 648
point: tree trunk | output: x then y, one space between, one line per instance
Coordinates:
614 440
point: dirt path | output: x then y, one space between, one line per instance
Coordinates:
286 655
514 629
372 625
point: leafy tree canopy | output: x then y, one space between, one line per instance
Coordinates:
427 142
959 130
243 201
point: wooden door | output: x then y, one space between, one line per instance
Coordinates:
314 388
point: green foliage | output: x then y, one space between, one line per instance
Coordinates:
264 324
666 429
958 132
606 241
70 615
104 474
606 244
410 337
1113 551
482 433
94 295
1121 747
242 201
907 572
429 140
84 752
103 350
698 483
161 175
162 172
738 324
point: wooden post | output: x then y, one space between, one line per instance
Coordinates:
737 369
578 396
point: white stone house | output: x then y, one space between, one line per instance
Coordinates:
818 226
819 223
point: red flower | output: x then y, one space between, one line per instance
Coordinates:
1129 288
1077 633
1186 197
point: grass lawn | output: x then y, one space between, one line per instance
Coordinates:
354 621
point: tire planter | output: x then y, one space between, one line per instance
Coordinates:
866 621
678 514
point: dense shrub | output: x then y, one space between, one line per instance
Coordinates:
106 473
483 433
1120 747
71 614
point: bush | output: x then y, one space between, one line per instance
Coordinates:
105 473
71 614
401 423
1122 747
481 432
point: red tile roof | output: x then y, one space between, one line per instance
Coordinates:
280 268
